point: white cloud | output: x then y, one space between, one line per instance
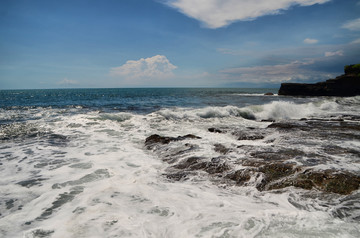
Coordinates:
293 71
353 25
67 82
310 41
334 53
156 67
357 41
220 13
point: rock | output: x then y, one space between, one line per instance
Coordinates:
269 94
242 135
240 176
329 181
267 120
215 130
250 137
156 139
274 171
178 176
189 162
221 149
215 166
344 86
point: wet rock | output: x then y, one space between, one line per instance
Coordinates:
174 154
216 165
189 162
268 94
251 137
157 139
278 155
215 130
272 172
328 181
178 176
288 125
267 120
241 176
247 135
221 149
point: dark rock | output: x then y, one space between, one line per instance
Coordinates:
221 149
267 120
156 139
278 155
189 162
214 166
288 125
328 181
250 137
240 176
215 130
268 94
344 86
178 176
274 171
246 135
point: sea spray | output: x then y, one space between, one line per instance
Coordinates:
83 169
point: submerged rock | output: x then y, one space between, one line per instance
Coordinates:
269 94
221 149
156 139
271 166
216 130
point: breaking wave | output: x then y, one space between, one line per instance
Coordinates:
275 110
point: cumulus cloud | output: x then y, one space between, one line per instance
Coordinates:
220 13
335 53
293 71
156 67
310 41
353 25
67 82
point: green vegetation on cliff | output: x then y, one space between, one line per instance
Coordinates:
352 69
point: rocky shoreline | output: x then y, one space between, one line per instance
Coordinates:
346 85
272 167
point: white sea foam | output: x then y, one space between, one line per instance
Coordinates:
97 180
275 110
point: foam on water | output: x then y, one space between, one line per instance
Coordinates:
87 174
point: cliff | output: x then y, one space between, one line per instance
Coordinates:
345 85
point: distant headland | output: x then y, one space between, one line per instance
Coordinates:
346 85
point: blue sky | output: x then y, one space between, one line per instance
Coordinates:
175 43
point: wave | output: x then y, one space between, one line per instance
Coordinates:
119 117
207 113
275 110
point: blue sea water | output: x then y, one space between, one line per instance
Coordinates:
141 100
73 163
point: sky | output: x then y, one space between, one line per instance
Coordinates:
175 43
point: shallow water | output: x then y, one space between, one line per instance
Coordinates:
73 163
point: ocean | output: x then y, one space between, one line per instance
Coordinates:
183 162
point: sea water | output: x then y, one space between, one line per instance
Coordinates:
73 164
